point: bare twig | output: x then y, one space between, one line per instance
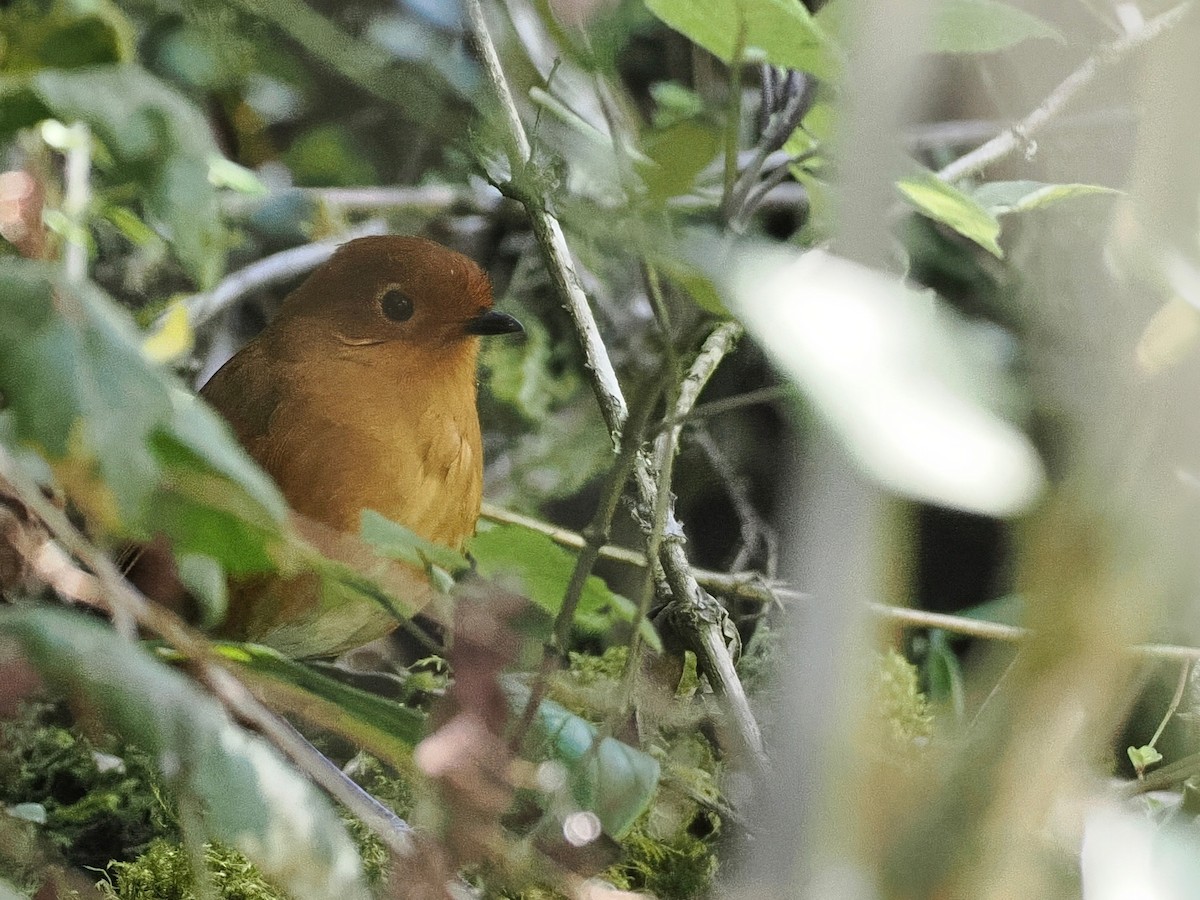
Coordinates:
754 530
1173 707
704 615
125 603
1021 134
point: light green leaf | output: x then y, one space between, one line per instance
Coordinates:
887 368
1001 198
1143 757
984 26
543 570
782 30
615 781
945 203
676 154
245 794
394 541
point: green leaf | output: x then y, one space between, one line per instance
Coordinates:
943 674
604 776
159 139
136 453
1001 198
543 570
79 390
1143 757
984 26
394 541
675 155
243 792
945 203
384 727
782 30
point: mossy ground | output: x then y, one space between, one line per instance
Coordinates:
105 808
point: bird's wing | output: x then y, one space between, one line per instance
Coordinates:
247 397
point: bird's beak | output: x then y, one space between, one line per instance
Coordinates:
493 322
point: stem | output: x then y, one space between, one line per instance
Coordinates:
1175 701
733 122
77 197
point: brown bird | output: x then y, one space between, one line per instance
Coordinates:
361 394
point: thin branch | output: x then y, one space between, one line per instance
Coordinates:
126 604
1021 134
755 586
754 531
717 660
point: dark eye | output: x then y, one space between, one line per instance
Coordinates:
396 305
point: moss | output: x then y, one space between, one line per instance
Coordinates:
900 704
164 872
103 800
669 865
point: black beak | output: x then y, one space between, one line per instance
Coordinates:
492 322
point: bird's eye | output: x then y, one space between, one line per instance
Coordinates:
396 305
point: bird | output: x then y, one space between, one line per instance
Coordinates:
361 394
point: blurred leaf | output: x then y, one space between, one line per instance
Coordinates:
528 375
172 337
983 26
675 155
326 156
604 776
415 89
1000 198
943 674
782 29
394 541
225 173
544 569
67 36
945 203
158 138
136 453
79 389
673 103
1006 610
1169 336
244 794
882 365
204 579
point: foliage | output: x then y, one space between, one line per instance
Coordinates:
691 163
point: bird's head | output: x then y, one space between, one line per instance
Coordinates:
406 293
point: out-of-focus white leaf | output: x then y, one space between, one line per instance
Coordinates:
879 363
